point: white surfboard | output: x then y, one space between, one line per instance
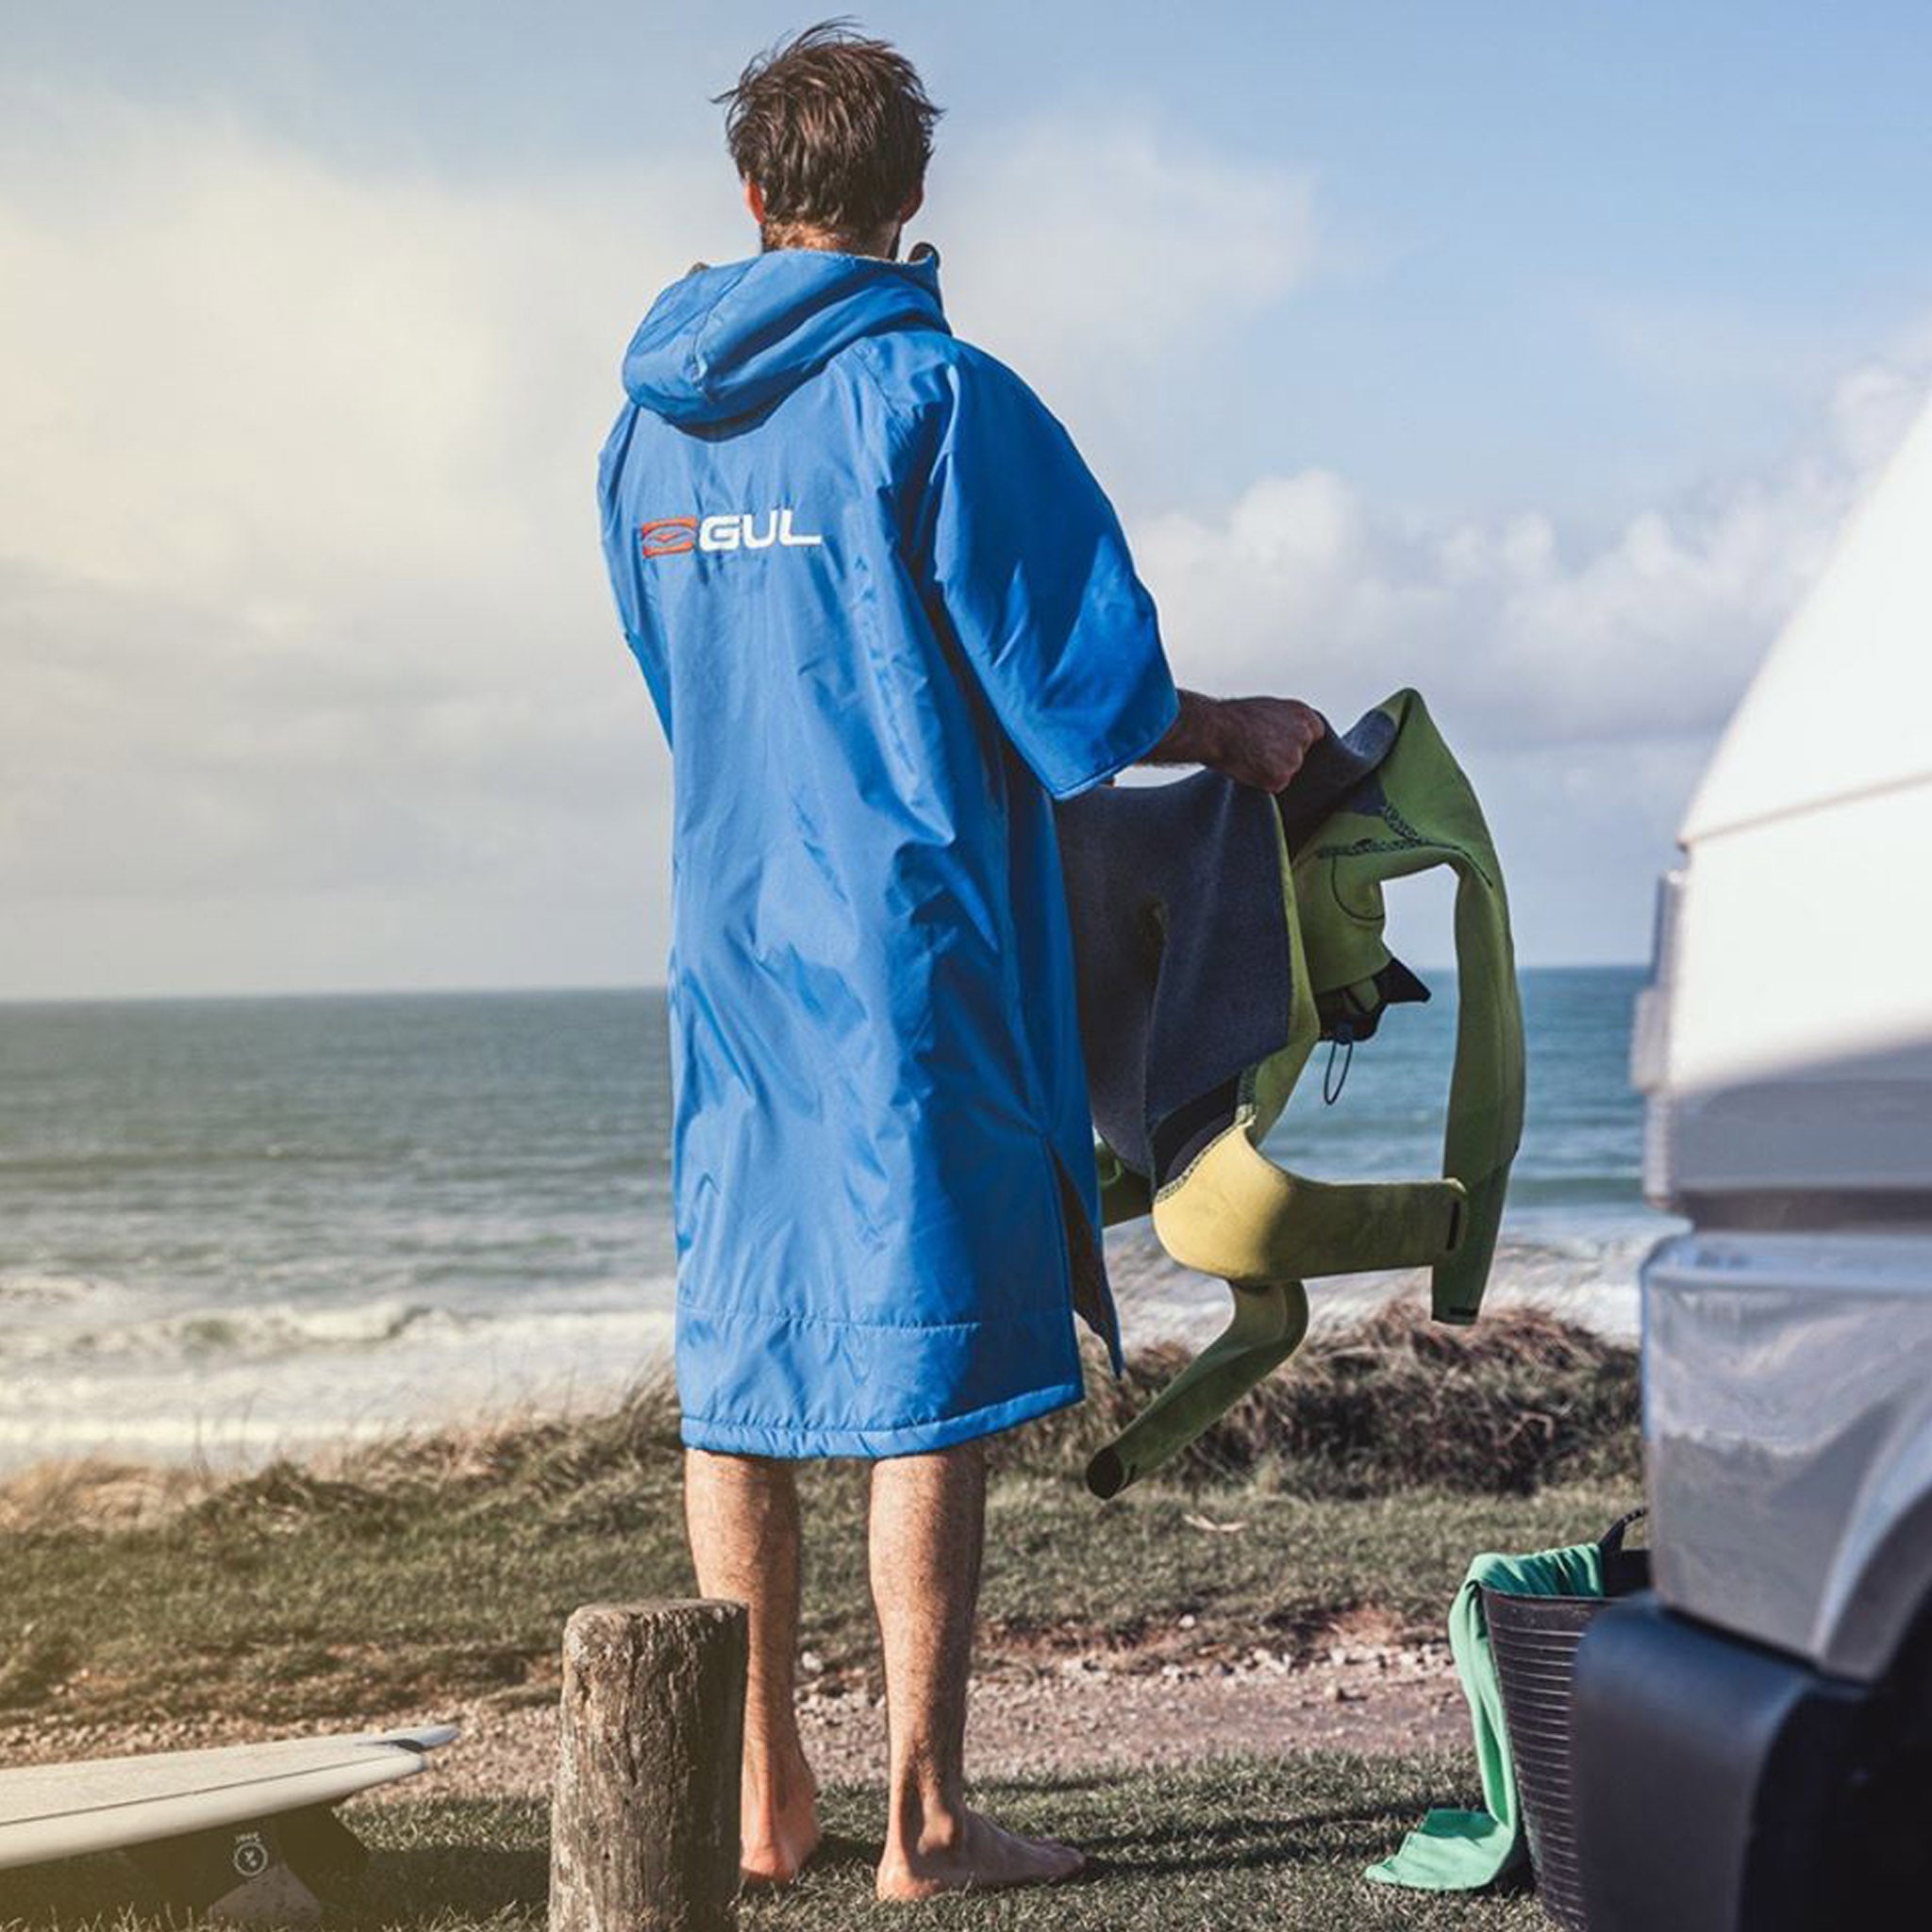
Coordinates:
51 1811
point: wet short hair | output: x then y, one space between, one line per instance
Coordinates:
835 127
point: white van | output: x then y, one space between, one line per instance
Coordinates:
1754 1736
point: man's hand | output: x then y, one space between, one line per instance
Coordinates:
1258 742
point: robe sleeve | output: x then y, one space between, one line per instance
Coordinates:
1022 560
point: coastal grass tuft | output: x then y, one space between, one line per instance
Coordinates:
1391 1404
1395 1402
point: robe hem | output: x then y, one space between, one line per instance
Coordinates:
905 1438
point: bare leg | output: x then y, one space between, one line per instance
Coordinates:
929 1525
742 1512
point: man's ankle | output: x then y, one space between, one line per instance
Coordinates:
928 1814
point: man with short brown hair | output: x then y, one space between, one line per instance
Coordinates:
886 616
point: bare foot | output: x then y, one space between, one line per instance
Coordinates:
779 1829
974 1854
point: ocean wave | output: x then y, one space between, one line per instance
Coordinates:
229 1406
128 1339
272 1329
27 1288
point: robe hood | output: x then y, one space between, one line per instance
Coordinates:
727 342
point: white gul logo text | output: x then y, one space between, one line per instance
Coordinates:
734 530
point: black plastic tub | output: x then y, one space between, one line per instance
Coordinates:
1533 1641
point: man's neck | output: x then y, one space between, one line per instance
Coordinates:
883 245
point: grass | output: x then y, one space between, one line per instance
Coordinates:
440 1567
1233 1843
1347 1495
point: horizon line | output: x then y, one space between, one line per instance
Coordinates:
1445 968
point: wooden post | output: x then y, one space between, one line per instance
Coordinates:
644 1827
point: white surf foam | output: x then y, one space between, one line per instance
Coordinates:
271 1382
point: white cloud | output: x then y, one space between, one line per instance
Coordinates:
311 672
1084 255
299 566
1583 682
299 594
1519 638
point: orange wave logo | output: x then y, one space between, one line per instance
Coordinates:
668 537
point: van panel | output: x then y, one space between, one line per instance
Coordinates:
1787 1416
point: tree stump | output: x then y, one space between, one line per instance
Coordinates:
643 1831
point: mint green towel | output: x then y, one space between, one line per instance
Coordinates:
1464 1851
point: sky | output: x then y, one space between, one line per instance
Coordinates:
1528 356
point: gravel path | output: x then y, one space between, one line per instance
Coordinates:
1080 1714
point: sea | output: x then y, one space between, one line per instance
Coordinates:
236 1228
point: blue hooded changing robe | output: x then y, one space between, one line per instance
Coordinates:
886 615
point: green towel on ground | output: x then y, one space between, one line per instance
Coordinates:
1464 1851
